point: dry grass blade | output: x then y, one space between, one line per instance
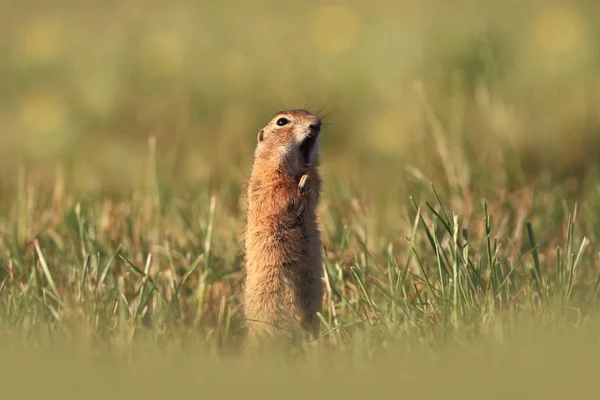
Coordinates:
45 269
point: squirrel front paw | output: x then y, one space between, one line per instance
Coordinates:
304 185
300 202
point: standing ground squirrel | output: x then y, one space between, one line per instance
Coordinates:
283 287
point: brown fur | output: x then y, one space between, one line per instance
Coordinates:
283 287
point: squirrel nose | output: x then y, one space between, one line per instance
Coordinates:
315 126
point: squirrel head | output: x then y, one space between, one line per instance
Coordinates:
290 141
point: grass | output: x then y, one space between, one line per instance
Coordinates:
137 290
460 214
167 269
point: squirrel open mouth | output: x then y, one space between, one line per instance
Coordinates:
307 146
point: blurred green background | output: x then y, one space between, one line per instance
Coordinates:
127 131
83 85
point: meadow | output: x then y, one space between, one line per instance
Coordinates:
460 212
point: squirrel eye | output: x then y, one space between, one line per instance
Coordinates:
283 121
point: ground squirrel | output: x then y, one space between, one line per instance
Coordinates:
283 287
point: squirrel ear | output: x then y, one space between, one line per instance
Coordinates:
261 135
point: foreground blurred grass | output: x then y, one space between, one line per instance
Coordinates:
535 365
127 131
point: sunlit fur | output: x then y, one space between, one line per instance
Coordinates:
283 288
